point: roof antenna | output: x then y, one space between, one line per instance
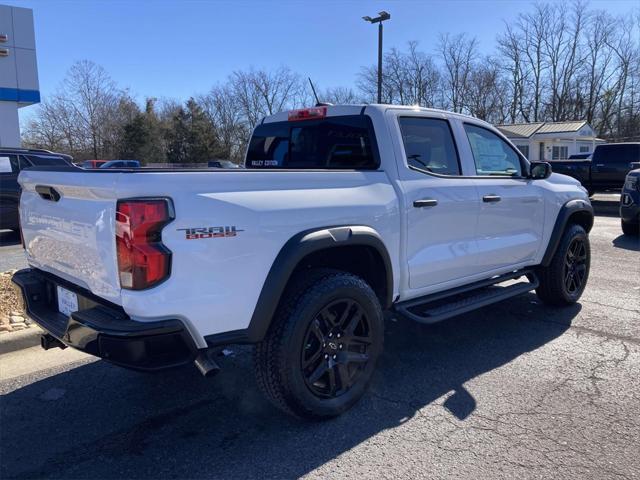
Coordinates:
318 102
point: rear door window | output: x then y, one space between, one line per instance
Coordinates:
429 146
345 142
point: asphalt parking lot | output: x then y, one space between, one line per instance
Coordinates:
516 390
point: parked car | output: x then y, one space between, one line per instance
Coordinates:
93 163
630 204
12 161
222 164
579 156
121 164
605 170
341 213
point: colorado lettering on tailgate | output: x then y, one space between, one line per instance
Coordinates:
197 233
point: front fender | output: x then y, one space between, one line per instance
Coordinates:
579 207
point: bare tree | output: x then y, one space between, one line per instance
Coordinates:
84 116
262 92
562 50
487 92
534 29
597 62
231 127
423 77
457 53
409 78
339 95
90 97
513 61
627 57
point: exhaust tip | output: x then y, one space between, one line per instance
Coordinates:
206 365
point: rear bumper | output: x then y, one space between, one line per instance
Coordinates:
103 329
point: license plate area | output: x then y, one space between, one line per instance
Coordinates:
67 301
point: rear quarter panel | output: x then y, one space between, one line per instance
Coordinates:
215 282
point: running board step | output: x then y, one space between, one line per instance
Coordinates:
441 306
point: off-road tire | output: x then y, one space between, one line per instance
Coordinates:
553 288
279 358
632 229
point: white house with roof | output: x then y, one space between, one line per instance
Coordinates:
551 140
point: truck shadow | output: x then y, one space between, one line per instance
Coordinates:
606 206
104 422
8 238
627 242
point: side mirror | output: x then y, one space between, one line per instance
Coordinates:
539 170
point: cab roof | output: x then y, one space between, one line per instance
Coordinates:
341 110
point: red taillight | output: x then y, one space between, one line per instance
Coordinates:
308 113
143 261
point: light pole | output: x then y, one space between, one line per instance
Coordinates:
382 16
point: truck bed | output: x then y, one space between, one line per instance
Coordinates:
75 237
578 169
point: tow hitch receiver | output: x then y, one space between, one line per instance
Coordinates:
48 341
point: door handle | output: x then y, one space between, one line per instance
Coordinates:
491 198
48 193
599 164
425 202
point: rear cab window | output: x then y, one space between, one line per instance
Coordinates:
617 153
340 142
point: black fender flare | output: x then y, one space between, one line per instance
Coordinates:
568 209
290 255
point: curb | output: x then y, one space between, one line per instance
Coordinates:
13 341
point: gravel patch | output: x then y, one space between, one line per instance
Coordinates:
12 315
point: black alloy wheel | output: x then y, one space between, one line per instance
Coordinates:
564 279
575 266
319 354
335 348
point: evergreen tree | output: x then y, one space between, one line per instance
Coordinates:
178 138
135 136
142 137
192 137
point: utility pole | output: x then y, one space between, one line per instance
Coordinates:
382 16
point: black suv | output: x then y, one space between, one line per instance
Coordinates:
630 203
12 160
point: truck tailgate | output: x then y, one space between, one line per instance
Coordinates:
68 226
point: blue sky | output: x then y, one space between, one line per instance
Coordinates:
180 48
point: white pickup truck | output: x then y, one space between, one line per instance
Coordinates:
341 213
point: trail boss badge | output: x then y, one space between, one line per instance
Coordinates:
198 233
